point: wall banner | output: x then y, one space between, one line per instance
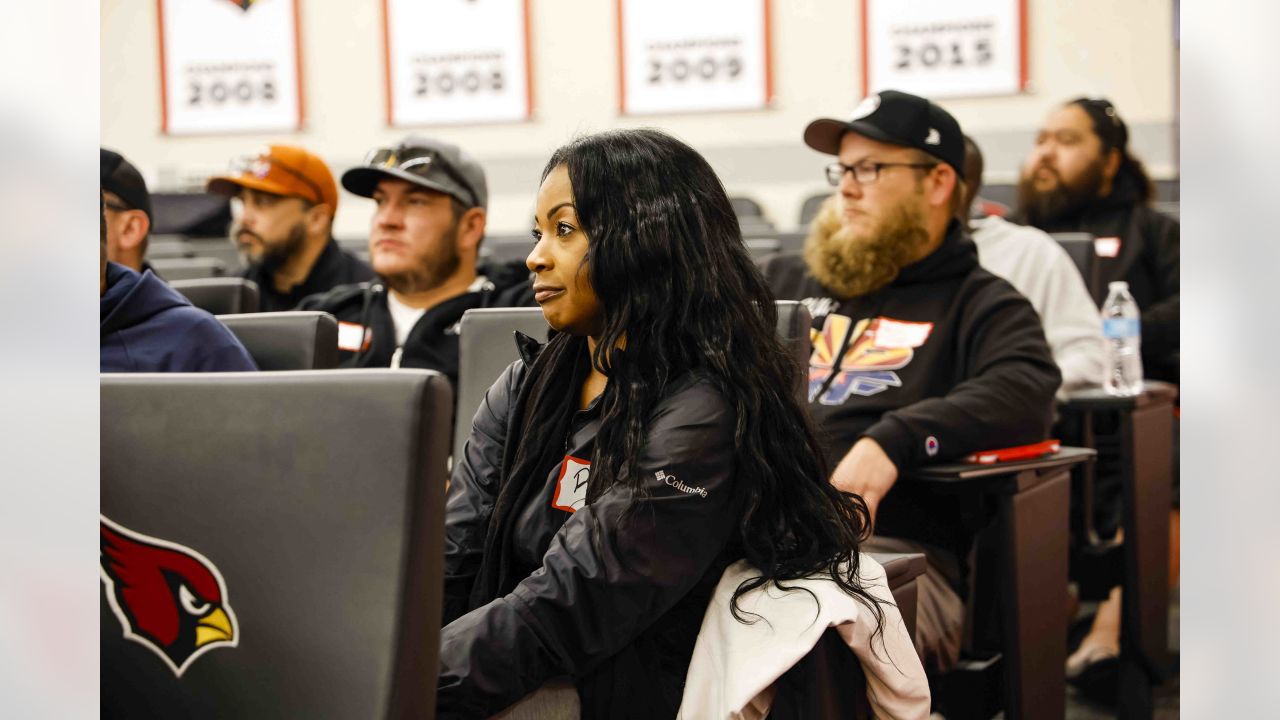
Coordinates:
693 56
457 61
942 48
229 66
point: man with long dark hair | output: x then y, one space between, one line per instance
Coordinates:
1082 177
919 354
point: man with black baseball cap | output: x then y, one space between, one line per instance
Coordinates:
128 211
919 355
431 199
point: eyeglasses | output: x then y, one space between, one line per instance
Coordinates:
260 165
867 172
417 161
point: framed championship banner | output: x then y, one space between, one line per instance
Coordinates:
457 61
229 66
942 48
683 56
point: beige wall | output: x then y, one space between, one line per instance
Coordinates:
1120 49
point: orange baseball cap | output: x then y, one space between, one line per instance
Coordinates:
280 170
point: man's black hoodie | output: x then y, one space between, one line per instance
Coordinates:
1149 259
944 361
433 342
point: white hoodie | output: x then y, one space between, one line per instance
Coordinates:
1041 270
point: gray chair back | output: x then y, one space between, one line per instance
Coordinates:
220 296
315 499
294 340
1079 245
486 346
189 268
812 204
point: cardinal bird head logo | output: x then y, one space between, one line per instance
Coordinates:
169 598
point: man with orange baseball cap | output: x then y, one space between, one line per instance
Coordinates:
284 231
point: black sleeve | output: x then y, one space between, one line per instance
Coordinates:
614 568
1160 328
1006 400
473 490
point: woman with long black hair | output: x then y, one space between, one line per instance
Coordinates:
613 473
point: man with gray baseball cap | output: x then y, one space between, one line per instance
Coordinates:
424 241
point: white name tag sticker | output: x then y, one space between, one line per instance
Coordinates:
350 336
899 334
1107 247
571 487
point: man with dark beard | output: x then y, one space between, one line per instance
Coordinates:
431 201
288 199
919 354
1081 177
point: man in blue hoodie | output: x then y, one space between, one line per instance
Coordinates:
148 327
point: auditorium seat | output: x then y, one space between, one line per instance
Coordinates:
809 209
1080 246
486 346
1015 641
189 268
294 340
828 683
166 249
220 296
312 502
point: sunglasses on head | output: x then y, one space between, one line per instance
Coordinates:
416 161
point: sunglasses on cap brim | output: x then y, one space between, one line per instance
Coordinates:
417 161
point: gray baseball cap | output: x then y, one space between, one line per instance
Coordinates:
434 164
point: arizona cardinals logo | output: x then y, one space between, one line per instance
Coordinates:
168 598
865 368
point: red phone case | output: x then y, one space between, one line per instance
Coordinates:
1021 452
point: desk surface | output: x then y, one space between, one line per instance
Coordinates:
967 471
1095 398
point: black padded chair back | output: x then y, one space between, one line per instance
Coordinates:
317 499
809 210
189 268
1079 245
220 296
294 340
486 346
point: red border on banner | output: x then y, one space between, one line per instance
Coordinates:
386 63
528 63
768 53
297 61
768 64
1022 41
1023 73
622 63
386 60
164 83
866 51
297 70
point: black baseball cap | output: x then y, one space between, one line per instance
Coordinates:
120 177
897 118
434 164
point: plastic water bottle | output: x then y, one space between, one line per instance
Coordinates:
1122 328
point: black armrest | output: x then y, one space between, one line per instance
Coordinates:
1020 472
1095 398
